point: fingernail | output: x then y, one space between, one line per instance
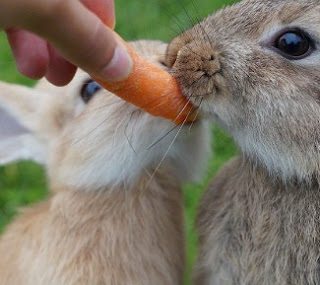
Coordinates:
119 67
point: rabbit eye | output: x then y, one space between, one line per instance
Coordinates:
294 44
89 89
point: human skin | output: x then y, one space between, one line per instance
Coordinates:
52 38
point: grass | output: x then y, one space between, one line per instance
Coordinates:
24 183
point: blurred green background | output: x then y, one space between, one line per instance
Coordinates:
24 183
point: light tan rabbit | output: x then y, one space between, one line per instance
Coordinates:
108 221
254 68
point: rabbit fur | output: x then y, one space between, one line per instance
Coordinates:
115 214
259 219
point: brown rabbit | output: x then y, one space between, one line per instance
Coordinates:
109 220
254 68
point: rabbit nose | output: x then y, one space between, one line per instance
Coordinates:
199 57
210 66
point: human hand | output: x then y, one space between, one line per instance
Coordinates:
50 38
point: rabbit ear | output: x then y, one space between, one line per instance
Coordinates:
23 135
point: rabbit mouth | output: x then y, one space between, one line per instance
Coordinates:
200 89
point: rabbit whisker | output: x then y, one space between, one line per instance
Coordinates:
197 114
132 129
171 130
167 151
199 21
162 137
91 131
175 19
105 106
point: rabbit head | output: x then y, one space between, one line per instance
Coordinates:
254 68
90 139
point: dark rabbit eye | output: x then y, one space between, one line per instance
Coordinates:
294 44
89 89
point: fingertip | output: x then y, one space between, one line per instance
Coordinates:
61 79
26 68
119 67
60 72
30 53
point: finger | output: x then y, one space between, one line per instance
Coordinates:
104 9
83 39
30 53
59 72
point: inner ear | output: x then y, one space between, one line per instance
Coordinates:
18 142
9 126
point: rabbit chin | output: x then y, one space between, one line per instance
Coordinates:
121 160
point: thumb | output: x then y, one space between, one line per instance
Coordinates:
82 38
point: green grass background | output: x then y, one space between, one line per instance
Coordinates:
24 183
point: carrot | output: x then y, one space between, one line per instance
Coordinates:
152 89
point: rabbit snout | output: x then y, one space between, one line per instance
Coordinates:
196 64
202 59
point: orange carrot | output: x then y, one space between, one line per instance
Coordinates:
152 89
